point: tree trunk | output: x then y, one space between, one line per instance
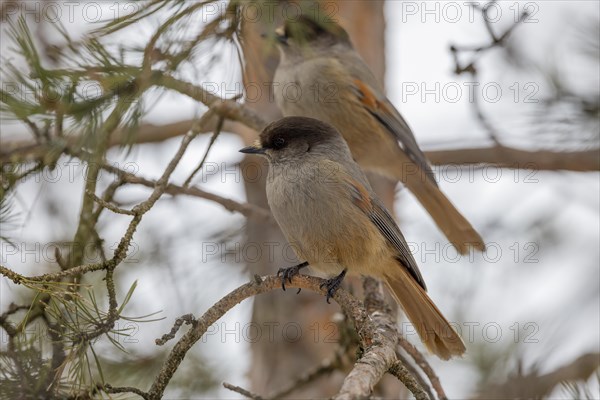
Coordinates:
297 330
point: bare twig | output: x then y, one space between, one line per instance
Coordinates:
242 391
111 316
161 183
124 389
187 318
471 66
246 209
86 225
404 376
351 306
213 139
325 367
18 150
5 323
495 41
226 108
416 374
424 365
110 206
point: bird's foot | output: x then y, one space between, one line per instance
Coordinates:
289 273
333 285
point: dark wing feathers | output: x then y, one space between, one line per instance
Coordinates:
382 219
385 113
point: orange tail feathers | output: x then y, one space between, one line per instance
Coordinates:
433 329
451 222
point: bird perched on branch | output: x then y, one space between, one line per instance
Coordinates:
333 220
320 75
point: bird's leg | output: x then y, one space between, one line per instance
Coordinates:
333 284
290 272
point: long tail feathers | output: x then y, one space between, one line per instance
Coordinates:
433 329
454 226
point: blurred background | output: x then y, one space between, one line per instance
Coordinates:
528 308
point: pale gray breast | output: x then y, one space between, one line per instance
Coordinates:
317 215
295 195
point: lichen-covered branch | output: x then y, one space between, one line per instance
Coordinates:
403 374
351 306
379 356
376 330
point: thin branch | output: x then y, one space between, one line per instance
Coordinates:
351 306
161 183
111 316
471 66
5 323
246 209
18 150
242 391
51 277
325 367
108 196
86 225
109 206
213 139
124 389
424 365
187 318
226 108
416 374
495 41
506 157
143 207
404 376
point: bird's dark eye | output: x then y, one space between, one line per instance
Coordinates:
278 142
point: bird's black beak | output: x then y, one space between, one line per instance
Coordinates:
253 150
